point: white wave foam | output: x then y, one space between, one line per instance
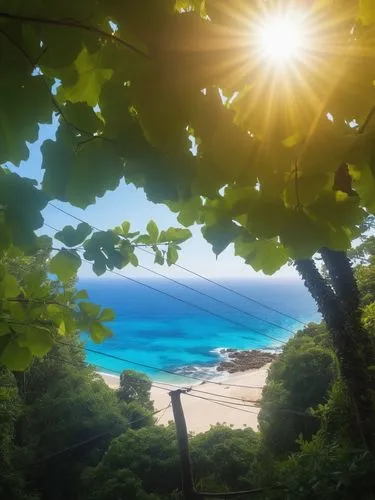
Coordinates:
223 355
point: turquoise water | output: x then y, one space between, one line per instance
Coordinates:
156 330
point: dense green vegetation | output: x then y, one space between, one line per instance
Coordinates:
283 170
65 434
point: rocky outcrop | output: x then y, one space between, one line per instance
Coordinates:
240 361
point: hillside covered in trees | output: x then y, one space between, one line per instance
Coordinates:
267 146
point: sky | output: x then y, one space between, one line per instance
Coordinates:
129 203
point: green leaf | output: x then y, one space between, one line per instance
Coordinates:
17 311
267 256
159 259
37 340
72 237
172 255
83 117
9 286
61 330
17 225
153 231
189 212
107 315
364 184
123 230
78 170
175 235
44 242
221 235
90 80
143 239
99 332
243 245
35 284
81 294
133 259
54 310
15 357
100 265
89 309
65 264
19 124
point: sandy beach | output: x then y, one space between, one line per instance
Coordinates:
201 414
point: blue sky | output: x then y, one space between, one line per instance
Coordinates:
129 203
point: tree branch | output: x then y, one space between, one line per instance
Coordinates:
73 24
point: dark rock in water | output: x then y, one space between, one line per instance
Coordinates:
240 361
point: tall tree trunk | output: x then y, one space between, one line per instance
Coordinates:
339 304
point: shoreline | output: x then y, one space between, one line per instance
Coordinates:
201 414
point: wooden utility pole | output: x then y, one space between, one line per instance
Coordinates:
188 491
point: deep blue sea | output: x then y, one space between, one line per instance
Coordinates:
158 330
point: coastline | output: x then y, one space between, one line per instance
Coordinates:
200 414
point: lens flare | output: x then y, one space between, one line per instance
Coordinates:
280 38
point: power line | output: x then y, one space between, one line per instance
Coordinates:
205 278
115 371
219 301
233 404
192 389
221 404
232 290
241 325
72 216
51 227
171 386
155 368
162 415
203 309
224 396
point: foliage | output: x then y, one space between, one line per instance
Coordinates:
321 470
223 459
149 454
298 382
11 483
134 387
64 403
365 270
35 311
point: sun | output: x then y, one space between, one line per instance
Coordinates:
280 38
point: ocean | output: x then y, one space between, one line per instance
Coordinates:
159 331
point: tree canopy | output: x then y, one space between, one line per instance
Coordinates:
132 85
276 159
